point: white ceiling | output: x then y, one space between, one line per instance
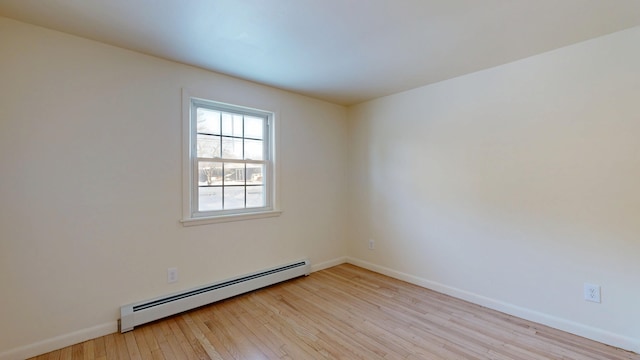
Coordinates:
343 51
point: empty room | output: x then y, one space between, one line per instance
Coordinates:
335 179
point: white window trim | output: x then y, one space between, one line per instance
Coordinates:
188 218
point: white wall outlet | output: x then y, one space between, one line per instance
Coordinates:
172 275
372 244
592 292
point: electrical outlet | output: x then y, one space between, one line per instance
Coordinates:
372 244
592 292
172 275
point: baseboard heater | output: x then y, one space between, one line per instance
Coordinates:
146 311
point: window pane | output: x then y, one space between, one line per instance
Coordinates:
253 149
209 198
255 174
208 121
233 174
232 125
209 173
233 197
238 128
255 196
208 146
231 148
227 124
253 127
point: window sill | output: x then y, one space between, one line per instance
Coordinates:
229 218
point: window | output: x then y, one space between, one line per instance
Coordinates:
230 163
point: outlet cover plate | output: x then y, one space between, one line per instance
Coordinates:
172 275
592 292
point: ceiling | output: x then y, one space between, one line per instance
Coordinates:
342 51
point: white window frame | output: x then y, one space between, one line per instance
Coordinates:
191 214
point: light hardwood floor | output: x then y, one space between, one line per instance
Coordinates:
344 312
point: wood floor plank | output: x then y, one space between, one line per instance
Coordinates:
66 353
163 344
121 347
254 320
132 346
192 353
100 350
143 347
246 344
88 350
170 337
371 312
200 337
111 350
251 330
335 325
189 337
203 322
54 355
77 352
344 312
315 333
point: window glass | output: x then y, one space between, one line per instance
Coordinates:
231 159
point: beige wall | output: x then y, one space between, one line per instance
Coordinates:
91 194
511 187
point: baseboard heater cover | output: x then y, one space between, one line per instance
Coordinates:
146 311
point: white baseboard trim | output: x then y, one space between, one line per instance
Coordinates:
59 342
586 331
79 336
592 333
328 264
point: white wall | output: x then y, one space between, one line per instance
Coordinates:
511 187
90 191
